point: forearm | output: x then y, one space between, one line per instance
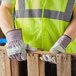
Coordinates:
71 30
6 20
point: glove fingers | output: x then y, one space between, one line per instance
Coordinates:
53 60
54 50
28 47
13 57
49 58
23 55
18 57
10 56
45 57
32 48
41 58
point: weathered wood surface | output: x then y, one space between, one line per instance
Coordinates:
36 67
5 69
73 55
8 67
7 64
2 67
14 68
3 48
63 65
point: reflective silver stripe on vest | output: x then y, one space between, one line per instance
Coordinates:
36 13
21 4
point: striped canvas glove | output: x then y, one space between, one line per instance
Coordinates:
16 49
59 47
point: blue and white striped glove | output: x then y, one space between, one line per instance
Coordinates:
59 47
16 49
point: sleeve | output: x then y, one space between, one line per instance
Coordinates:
11 1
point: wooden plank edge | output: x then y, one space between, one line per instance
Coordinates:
42 52
3 47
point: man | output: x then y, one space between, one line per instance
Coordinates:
44 23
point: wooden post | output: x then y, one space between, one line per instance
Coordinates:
8 67
7 64
36 67
63 65
14 68
2 68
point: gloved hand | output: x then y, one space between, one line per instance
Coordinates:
16 49
59 47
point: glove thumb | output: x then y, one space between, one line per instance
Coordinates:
28 47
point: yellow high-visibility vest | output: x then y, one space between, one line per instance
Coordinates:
44 21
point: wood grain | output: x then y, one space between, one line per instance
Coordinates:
14 67
36 67
2 68
7 64
73 55
8 67
41 67
63 65
3 48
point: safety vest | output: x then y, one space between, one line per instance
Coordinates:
44 21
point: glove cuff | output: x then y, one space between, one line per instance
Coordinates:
64 40
14 35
